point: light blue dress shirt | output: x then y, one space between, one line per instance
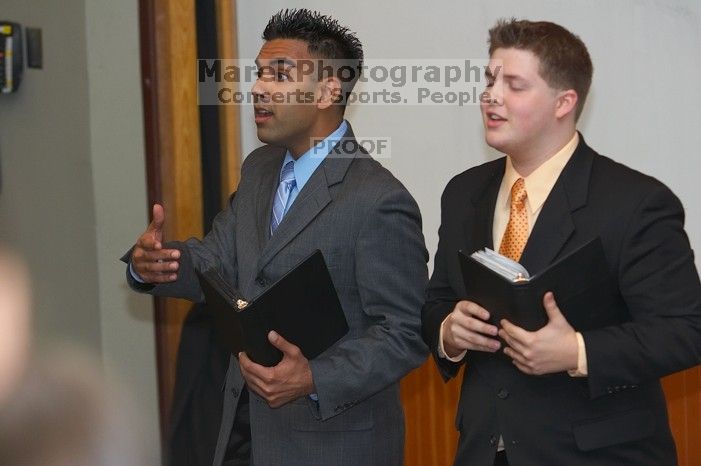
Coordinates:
308 162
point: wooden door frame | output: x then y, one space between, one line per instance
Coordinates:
172 155
172 140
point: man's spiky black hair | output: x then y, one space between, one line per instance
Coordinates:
325 36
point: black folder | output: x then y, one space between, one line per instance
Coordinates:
580 282
302 306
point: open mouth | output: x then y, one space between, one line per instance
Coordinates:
494 120
262 114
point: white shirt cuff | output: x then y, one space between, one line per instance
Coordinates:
135 275
582 369
441 349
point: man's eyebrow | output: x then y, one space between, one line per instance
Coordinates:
514 77
282 61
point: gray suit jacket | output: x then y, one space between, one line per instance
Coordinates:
369 229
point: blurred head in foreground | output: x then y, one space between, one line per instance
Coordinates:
14 321
55 409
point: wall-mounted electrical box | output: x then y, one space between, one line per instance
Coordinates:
11 56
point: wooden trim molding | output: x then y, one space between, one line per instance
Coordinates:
229 115
429 408
173 154
181 186
683 394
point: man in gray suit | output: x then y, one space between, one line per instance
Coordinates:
298 194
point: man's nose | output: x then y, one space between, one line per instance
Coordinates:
258 90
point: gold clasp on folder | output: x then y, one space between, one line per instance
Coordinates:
241 304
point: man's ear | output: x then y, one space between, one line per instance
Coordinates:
566 103
331 92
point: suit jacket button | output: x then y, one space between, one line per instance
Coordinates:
261 281
503 394
493 441
235 392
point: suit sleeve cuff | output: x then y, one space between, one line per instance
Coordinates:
582 370
441 349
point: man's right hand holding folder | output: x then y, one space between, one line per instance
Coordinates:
288 380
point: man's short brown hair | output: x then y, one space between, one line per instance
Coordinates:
564 59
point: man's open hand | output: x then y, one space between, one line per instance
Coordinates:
148 259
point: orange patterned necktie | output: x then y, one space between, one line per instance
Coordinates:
516 233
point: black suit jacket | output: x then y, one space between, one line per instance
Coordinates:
617 415
198 394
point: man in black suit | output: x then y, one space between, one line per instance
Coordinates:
559 396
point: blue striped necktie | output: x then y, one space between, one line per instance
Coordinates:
282 195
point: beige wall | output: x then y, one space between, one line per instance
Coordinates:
73 186
642 109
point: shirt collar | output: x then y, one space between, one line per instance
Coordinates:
308 162
541 181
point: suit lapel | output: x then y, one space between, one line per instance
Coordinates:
550 232
264 197
555 224
479 228
312 199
